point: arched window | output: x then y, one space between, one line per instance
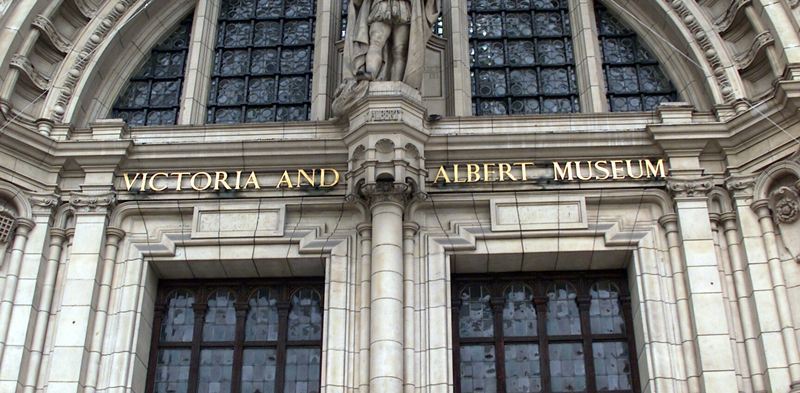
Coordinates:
634 80
258 337
262 62
7 222
153 94
521 57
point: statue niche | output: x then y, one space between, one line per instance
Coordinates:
385 41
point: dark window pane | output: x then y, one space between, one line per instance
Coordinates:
220 323
567 370
261 38
172 371
605 314
612 367
634 80
305 316
478 371
262 317
475 314
519 313
178 323
563 317
153 93
215 371
523 373
302 370
258 370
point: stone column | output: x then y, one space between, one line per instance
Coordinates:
73 328
386 296
365 233
711 333
23 228
749 330
670 224
409 231
781 298
113 236
57 237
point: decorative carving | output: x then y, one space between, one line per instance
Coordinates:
44 202
46 27
86 53
785 204
760 42
23 64
740 185
690 187
736 6
705 43
86 202
385 192
384 115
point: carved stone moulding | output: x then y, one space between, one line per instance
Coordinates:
93 203
690 187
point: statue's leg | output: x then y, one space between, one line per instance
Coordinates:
378 35
399 51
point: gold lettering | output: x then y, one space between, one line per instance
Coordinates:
221 178
179 182
522 167
564 173
128 181
311 180
143 184
455 174
238 180
252 179
630 170
504 170
194 184
614 170
602 166
657 170
488 173
578 171
153 180
322 174
441 174
473 173
284 180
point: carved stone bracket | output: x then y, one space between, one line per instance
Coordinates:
54 36
44 202
761 41
734 8
93 203
741 186
690 187
23 64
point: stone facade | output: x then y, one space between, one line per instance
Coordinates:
711 251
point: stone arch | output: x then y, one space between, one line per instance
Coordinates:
719 201
773 176
16 200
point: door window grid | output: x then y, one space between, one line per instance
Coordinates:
548 333
236 337
633 78
521 57
262 62
153 94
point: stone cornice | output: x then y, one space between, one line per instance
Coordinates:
690 187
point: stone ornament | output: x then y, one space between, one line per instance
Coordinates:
85 203
740 185
689 187
785 205
385 41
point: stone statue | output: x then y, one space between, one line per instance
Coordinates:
385 41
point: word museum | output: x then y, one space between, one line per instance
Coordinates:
399 196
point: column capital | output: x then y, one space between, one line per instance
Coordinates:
92 202
57 234
761 207
669 222
114 235
385 192
410 228
364 229
44 203
23 226
715 220
740 186
728 220
690 187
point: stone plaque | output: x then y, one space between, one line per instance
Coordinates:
238 220
539 213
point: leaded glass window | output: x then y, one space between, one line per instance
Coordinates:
521 57
153 93
548 332
634 79
262 62
241 337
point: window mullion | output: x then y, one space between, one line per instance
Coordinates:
499 348
584 303
238 347
591 89
283 333
544 351
200 309
199 63
158 317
